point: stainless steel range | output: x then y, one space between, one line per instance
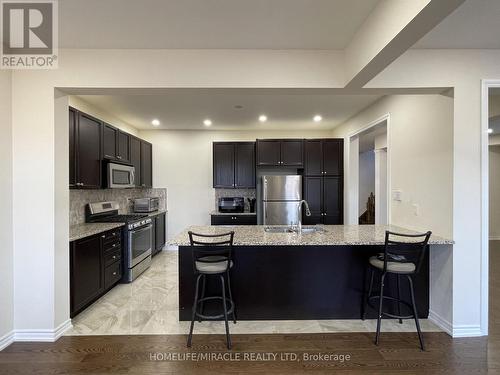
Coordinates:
137 236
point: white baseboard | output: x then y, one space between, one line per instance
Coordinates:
441 322
467 331
43 335
494 238
6 340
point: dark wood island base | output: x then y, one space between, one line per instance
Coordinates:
300 282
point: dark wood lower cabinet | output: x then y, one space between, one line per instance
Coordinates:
234 219
159 232
95 267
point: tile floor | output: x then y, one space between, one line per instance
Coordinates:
149 305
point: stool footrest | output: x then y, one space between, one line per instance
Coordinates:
214 317
389 314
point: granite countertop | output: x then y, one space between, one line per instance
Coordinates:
83 230
254 235
232 213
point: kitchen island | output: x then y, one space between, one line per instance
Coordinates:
318 275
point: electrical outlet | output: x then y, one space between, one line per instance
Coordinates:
416 210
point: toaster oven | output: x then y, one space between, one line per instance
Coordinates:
146 204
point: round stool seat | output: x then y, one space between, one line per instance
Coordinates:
212 264
394 267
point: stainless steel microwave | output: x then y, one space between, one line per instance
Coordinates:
120 176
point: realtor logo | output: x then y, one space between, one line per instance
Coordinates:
29 34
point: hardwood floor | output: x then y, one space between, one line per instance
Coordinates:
398 353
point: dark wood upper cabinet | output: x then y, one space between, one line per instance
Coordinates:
268 152
88 152
324 157
223 164
135 158
123 142
244 172
233 164
292 152
91 141
333 157
109 145
72 147
146 164
280 152
86 280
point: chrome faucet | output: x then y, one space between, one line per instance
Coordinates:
308 213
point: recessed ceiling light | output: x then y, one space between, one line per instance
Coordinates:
490 130
155 122
262 118
317 118
207 122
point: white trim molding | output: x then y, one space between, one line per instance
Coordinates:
42 335
467 331
486 84
6 340
441 322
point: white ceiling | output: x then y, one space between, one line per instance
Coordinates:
187 108
273 24
475 24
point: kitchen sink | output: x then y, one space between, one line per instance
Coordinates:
278 229
305 229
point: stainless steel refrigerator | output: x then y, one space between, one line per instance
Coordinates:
281 196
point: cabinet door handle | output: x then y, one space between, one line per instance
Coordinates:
114 273
114 256
114 245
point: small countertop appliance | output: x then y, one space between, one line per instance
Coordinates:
232 204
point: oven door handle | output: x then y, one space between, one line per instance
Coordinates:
142 229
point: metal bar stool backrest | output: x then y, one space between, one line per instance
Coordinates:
404 248
211 248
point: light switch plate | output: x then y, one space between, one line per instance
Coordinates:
397 195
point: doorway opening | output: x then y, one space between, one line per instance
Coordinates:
368 180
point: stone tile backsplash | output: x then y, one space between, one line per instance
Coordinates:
79 198
245 193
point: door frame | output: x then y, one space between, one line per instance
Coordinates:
486 84
351 199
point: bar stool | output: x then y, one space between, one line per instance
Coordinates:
212 257
403 256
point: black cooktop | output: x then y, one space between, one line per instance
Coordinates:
120 218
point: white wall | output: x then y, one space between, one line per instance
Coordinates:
366 179
82 105
6 250
182 162
494 189
421 152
